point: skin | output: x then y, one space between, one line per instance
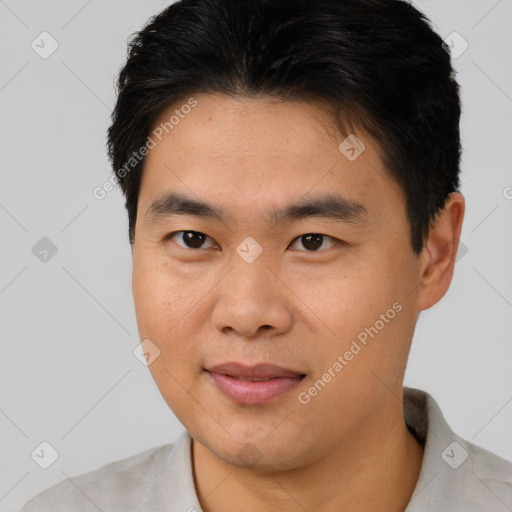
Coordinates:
349 447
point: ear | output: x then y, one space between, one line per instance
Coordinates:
440 251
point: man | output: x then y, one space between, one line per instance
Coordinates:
290 169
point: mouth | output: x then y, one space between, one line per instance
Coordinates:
254 385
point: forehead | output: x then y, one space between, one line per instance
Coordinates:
222 125
249 152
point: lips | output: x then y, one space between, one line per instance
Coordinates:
253 385
259 371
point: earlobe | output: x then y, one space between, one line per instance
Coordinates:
440 252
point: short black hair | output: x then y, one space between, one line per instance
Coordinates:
378 62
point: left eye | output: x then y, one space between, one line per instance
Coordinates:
190 239
313 241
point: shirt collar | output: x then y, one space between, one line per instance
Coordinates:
455 475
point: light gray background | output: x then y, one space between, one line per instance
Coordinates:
68 374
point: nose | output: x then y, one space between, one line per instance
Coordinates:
252 302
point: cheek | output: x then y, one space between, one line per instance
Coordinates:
162 295
342 298
365 300
172 308
166 311
155 301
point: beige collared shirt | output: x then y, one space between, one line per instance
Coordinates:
456 476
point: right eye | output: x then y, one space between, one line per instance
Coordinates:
190 239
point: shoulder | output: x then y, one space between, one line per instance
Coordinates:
116 486
474 479
491 470
456 474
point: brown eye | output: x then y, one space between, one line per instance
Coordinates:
189 239
313 241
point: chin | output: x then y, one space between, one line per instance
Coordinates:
259 453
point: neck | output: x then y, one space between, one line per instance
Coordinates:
376 469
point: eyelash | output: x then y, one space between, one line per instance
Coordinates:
334 240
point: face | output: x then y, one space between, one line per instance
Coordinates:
260 242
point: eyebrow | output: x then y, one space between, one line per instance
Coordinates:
331 206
